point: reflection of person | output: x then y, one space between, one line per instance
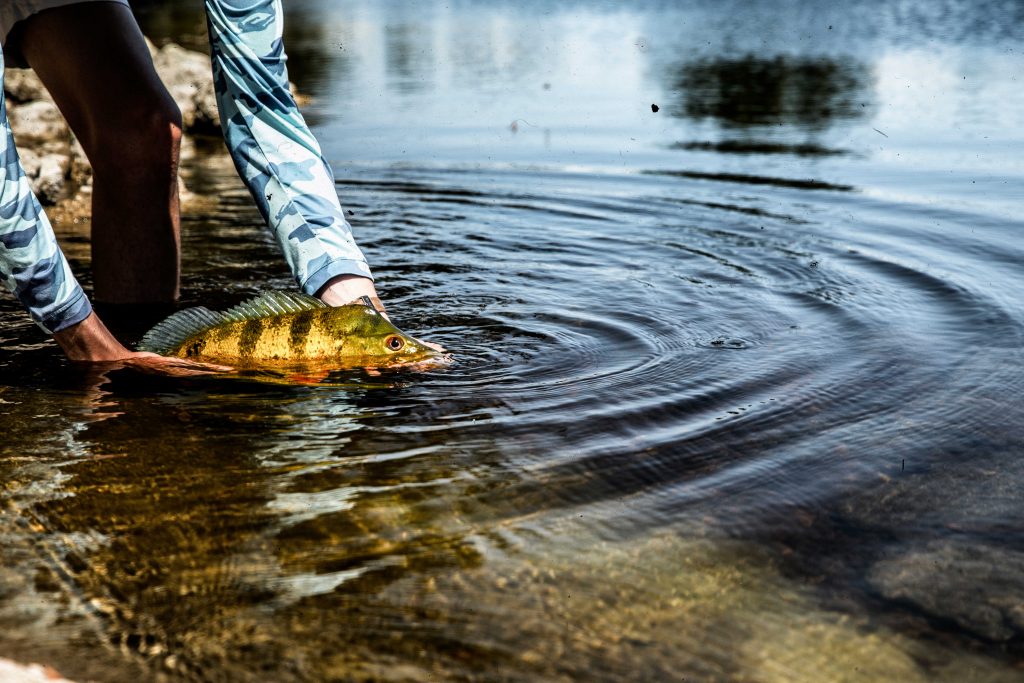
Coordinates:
93 59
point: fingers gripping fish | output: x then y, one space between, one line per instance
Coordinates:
282 328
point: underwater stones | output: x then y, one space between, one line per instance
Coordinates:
978 586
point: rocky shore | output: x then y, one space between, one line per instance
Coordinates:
53 158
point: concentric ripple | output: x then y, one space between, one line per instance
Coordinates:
614 341
634 355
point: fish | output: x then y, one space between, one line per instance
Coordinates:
278 328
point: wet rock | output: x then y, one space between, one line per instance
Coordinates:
57 146
23 85
54 160
37 122
49 185
189 79
29 162
45 581
81 170
47 172
979 587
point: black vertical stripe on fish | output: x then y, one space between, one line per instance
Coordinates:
298 331
251 332
222 334
195 349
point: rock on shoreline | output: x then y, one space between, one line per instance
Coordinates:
51 156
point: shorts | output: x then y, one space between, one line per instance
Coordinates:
13 11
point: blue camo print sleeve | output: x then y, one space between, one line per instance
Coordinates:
273 149
31 264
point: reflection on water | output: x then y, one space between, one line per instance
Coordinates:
734 397
810 93
804 149
751 97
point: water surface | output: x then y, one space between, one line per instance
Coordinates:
737 384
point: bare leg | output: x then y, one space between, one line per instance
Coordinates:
93 59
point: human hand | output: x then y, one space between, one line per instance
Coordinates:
154 364
91 342
345 289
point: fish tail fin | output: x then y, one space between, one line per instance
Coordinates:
171 333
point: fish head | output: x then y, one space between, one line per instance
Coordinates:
377 341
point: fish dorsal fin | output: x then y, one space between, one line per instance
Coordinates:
171 333
271 303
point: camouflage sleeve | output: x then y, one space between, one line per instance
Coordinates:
31 264
273 149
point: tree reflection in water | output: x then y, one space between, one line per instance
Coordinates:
750 98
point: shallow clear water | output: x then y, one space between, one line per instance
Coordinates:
737 383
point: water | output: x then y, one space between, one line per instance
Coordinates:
737 391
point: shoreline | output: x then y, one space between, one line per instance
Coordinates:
51 155
54 160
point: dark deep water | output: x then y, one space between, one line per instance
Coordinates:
738 391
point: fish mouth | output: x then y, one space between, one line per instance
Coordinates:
431 357
438 362
430 346
418 349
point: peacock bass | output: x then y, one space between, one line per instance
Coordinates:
284 328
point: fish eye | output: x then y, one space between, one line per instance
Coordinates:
394 343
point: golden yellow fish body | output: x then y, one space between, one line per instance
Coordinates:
283 328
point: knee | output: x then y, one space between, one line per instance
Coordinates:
146 139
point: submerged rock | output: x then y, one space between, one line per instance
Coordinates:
979 587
